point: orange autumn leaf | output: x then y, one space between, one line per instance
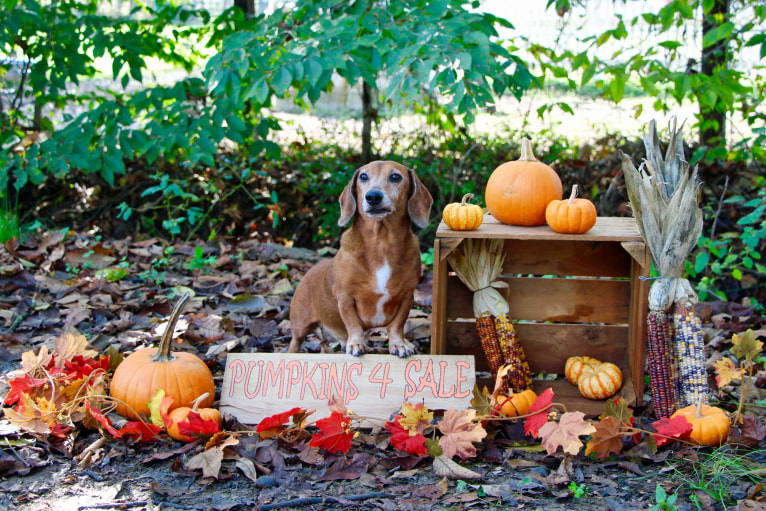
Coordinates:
415 418
726 372
606 440
459 431
565 433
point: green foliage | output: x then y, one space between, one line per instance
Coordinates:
578 490
664 502
664 73
733 254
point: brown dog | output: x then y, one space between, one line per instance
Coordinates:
370 281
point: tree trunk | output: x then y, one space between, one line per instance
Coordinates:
368 115
714 57
247 6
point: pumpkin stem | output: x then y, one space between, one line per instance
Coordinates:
526 150
163 353
573 196
197 401
698 414
466 198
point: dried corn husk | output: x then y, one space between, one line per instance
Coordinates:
478 263
664 195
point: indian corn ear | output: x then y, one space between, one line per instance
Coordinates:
519 376
690 355
659 364
485 326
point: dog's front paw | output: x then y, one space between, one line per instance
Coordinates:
401 349
355 349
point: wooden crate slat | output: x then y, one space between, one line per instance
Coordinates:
561 300
547 345
559 257
606 229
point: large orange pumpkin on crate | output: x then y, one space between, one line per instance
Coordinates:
518 191
572 215
710 425
182 375
600 381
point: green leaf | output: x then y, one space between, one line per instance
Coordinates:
280 81
701 262
722 31
312 70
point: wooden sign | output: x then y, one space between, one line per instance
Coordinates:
258 385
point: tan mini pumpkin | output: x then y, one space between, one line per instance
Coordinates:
571 216
516 404
462 216
710 425
575 365
518 191
600 381
182 375
182 413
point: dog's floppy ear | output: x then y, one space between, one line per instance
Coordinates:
420 201
348 201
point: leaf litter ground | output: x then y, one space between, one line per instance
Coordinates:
118 293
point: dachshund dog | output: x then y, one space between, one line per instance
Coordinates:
370 281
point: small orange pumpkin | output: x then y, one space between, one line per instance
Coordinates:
182 375
575 365
516 404
518 191
462 216
710 425
600 381
571 216
182 413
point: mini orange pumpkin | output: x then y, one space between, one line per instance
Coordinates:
571 216
182 375
182 413
516 404
518 191
710 425
600 381
462 216
575 365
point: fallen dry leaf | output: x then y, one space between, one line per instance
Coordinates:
459 432
565 433
209 461
606 440
445 467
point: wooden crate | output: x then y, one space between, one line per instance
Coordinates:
594 305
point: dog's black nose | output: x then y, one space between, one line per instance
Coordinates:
374 197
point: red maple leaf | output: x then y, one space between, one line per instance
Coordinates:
335 433
542 404
143 431
403 441
79 366
195 426
273 426
21 386
102 419
675 427
60 430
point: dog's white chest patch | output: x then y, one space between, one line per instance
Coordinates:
382 275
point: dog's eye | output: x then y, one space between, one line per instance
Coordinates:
395 178
363 177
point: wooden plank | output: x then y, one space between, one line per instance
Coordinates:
606 229
439 301
547 345
639 309
568 394
638 252
561 257
255 385
562 300
447 246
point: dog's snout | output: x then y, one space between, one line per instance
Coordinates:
374 197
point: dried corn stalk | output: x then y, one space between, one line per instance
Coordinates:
478 263
663 192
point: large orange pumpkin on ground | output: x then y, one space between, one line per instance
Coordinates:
182 375
710 425
518 191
